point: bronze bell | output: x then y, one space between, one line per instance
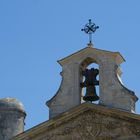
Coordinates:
90 83
91 94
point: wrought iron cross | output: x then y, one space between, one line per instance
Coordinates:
90 28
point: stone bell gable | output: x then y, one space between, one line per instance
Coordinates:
112 92
87 122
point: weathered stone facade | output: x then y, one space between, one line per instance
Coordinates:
87 122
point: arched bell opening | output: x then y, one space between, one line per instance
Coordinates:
89 81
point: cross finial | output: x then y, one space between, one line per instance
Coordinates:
90 28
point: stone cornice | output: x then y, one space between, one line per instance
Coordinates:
64 117
113 54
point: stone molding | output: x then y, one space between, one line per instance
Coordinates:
87 122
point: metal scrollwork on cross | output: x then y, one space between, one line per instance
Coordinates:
90 28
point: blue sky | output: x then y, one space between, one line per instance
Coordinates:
34 34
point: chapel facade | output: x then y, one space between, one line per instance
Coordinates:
91 103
